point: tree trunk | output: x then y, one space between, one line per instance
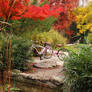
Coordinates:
1 77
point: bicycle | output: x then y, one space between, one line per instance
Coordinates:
47 52
43 51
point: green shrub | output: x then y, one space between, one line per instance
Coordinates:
79 69
30 25
52 37
82 85
75 47
3 56
20 53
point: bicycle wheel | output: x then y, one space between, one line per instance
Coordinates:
62 53
48 53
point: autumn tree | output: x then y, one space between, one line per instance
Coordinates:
84 20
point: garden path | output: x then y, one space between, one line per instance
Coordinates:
48 70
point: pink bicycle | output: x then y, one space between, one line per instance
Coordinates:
46 51
42 51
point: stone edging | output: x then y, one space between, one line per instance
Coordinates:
27 78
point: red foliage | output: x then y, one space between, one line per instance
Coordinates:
66 18
15 9
41 13
12 9
69 33
36 12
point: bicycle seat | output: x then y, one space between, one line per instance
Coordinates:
59 45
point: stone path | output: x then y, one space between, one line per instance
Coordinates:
48 63
49 69
48 72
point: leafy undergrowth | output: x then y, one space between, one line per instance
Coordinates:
79 69
75 47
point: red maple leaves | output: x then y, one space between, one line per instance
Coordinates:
12 9
16 9
41 13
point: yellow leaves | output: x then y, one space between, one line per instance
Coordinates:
91 29
81 31
84 18
82 28
79 26
80 19
88 17
88 26
77 11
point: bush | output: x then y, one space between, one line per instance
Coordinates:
3 56
75 47
52 37
31 25
79 69
20 53
82 85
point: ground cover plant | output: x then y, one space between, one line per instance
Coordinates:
79 69
74 47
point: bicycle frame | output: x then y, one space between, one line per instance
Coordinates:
34 46
55 53
44 48
45 52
